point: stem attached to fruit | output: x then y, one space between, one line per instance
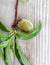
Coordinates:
16 15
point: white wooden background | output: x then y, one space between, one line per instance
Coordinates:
36 50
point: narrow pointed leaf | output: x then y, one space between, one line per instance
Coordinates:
20 55
7 58
1 54
12 46
3 37
2 27
31 35
5 43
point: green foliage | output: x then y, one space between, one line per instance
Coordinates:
2 27
5 40
10 41
24 0
7 58
20 56
3 37
1 54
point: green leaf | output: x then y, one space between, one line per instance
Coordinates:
2 27
5 43
7 58
12 45
20 55
31 35
1 54
24 0
3 37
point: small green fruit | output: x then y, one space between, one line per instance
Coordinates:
25 25
24 0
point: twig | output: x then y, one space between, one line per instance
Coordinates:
16 15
